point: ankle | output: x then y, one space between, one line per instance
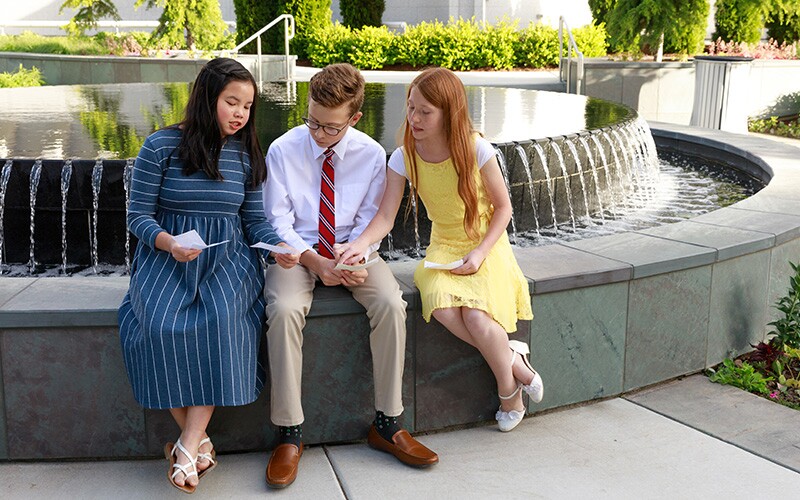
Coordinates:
290 435
191 440
386 426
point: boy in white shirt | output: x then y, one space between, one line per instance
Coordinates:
325 182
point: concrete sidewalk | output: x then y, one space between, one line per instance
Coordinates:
682 439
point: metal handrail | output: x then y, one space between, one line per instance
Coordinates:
288 34
571 45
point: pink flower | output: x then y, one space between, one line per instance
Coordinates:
773 394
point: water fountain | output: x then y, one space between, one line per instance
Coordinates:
614 313
597 162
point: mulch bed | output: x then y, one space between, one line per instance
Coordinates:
788 397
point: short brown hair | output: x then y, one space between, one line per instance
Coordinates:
338 84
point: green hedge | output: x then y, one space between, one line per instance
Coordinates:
459 45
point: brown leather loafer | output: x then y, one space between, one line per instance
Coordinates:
407 449
282 466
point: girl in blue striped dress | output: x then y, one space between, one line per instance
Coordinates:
191 322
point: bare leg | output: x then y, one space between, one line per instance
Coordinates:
492 341
193 421
479 330
521 370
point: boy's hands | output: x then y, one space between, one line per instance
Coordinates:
350 278
350 253
325 269
286 260
354 278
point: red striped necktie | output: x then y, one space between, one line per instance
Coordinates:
327 219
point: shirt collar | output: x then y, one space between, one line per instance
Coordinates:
339 148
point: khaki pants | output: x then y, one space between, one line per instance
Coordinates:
289 293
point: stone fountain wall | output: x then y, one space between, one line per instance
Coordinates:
613 314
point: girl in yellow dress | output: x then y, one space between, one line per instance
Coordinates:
455 173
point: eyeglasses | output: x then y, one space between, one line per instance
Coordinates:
326 128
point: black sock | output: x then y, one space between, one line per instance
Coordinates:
291 435
386 426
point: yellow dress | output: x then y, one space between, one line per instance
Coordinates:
499 287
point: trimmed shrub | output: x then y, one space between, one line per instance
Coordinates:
372 47
537 47
329 44
459 45
498 45
591 40
418 44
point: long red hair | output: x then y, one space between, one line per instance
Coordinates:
443 89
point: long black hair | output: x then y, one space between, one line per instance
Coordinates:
201 141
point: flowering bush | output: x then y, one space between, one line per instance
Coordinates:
761 50
773 368
775 126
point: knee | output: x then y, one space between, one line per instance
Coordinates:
283 311
446 316
477 321
389 304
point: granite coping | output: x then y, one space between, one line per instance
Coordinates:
727 242
783 227
560 267
93 301
647 254
769 218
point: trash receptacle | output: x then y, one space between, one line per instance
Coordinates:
721 92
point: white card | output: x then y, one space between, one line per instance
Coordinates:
450 265
275 248
356 267
192 240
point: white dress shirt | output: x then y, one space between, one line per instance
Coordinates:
294 173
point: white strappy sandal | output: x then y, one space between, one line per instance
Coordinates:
211 457
507 420
169 451
536 388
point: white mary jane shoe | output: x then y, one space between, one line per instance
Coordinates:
536 388
507 420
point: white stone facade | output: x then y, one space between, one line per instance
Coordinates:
410 11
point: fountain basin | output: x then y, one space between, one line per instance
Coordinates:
613 314
567 160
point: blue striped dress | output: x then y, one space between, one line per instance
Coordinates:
190 331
